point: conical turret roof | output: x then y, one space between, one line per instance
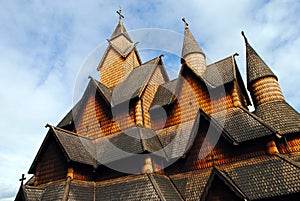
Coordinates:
190 44
256 67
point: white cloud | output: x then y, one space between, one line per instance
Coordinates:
44 43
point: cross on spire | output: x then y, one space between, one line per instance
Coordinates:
212 159
22 179
185 23
120 14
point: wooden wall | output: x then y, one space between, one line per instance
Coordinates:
194 94
289 144
224 152
115 68
53 165
265 90
96 119
149 93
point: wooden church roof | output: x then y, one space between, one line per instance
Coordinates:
256 178
256 67
251 162
190 44
280 115
136 81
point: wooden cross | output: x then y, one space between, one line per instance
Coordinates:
22 179
185 23
213 159
120 14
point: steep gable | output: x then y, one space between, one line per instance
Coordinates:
50 164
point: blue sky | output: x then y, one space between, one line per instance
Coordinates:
43 45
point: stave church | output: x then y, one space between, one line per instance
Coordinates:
137 135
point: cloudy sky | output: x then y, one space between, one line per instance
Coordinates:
44 44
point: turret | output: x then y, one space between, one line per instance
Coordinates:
192 53
261 82
120 57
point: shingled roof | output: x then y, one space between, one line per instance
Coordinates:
134 187
264 177
123 50
221 72
256 67
92 87
120 42
120 29
136 81
78 148
242 125
191 184
236 125
280 115
30 193
190 44
54 191
74 147
217 173
256 178
217 74
165 94
106 149
138 140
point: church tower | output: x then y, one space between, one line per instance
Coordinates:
261 81
120 57
192 53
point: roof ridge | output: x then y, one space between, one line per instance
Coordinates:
125 34
97 83
227 176
221 60
222 129
67 189
120 179
156 60
227 181
199 171
68 132
156 186
170 81
258 119
141 139
173 185
201 77
120 29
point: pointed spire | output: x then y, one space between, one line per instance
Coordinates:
190 45
256 67
120 28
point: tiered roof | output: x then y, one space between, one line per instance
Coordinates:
252 175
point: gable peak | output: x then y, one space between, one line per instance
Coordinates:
120 28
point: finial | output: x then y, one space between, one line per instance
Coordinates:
243 34
120 14
22 179
186 25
